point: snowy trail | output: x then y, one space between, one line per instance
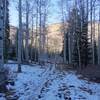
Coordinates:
69 87
36 83
45 77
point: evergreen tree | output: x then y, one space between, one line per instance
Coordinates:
83 49
78 27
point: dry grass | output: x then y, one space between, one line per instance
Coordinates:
65 67
92 72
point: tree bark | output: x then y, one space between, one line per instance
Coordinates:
27 32
20 36
99 39
1 35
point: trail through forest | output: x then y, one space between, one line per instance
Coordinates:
47 83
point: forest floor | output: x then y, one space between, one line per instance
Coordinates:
47 83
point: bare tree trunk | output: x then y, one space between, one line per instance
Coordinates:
69 39
23 54
27 32
32 39
36 34
92 40
1 35
44 32
94 33
69 47
63 28
40 30
99 39
36 47
47 51
20 36
79 54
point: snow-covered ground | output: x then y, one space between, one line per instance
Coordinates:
36 83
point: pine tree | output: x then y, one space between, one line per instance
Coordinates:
76 48
83 49
78 27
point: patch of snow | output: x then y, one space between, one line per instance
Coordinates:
49 84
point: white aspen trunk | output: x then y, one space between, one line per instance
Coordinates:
1 35
36 34
23 46
92 40
99 39
94 35
69 42
64 52
65 60
32 39
44 30
47 51
69 47
27 33
69 37
79 56
40 30
20 36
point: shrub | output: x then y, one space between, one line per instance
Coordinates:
3 78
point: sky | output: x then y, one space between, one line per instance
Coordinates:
13 14
53 15
54 10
